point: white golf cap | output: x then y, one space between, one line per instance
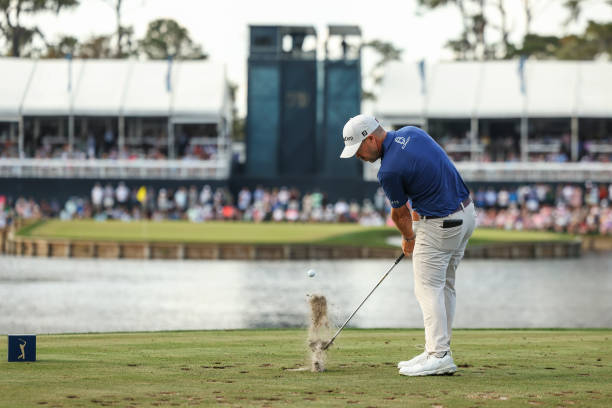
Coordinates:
355 131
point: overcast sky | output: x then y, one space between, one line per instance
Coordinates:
221 27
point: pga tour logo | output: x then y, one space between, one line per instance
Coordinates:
401 140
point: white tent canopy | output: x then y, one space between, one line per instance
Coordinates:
452 98
595 91
197 90
147 92
489 100
492 89
51 88
100 88
201 97
551 88
14 80
402 93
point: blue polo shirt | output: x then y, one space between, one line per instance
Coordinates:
414 167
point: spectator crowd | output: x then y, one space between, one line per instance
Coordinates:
577 209
565 208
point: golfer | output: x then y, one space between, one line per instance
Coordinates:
415 168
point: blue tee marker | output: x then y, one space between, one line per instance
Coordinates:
21 347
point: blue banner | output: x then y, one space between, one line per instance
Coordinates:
423 78
521 72
69 59
169 74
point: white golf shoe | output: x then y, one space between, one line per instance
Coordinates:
431 366
415 360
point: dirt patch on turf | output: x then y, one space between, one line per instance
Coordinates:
487 396
318 332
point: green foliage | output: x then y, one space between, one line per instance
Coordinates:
166 37
238 129
386 52
18 36
99 46
471 43
238 123
368 95
575 8
599 36
253 368
595 41
538 46
432 4
65 45
461 47
126 45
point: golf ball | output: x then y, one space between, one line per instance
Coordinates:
311 273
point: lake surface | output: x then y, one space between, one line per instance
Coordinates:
70 295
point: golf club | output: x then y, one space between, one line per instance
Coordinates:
364 300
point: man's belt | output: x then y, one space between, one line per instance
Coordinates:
463 204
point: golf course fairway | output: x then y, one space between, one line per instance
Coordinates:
255 368
253 233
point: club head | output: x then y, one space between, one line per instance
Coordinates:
329 343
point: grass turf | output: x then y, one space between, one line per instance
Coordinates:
249 368
244 232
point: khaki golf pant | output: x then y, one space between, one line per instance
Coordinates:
437 253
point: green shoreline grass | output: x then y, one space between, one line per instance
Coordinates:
253 233
250 368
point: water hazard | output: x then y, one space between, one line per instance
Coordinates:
70 295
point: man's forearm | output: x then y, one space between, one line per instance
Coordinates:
402 218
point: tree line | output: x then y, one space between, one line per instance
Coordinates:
164 38
482 19
486 32
485 35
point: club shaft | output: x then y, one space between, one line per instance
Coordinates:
364 300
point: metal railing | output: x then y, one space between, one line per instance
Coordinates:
523 172
218 168
535 172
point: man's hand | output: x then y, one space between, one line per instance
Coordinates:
408 244
402 218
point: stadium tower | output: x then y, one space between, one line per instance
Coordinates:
341 98
282 96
